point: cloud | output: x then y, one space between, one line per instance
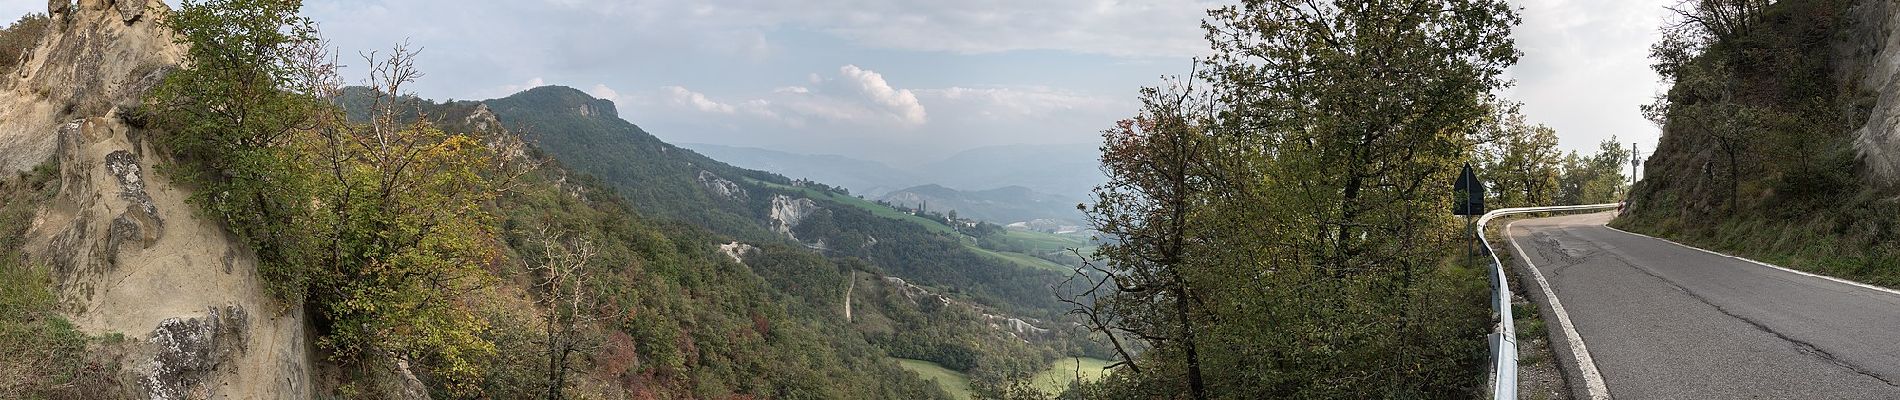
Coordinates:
698 101
1585 69
856 98
900 102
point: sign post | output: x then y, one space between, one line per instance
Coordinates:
1468 200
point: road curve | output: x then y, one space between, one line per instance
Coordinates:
1663 321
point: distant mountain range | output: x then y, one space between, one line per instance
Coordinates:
868 178
1062 169
1003 205
1067 170
1001 184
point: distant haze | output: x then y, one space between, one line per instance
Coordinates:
1065 170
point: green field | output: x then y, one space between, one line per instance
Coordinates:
1047 242
1057 378
1023 260
953 382
1053 380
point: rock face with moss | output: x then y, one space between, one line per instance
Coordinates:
128 254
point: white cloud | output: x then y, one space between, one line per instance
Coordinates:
857 98
900 102
698 101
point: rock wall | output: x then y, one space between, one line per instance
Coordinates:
720 186
787 212
129 254
1869 52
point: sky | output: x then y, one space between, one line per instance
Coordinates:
910 81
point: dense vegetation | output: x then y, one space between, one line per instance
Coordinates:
585 134
1757 154
1522 167
844 234
1279 222
491 271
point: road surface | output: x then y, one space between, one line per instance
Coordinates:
1663 321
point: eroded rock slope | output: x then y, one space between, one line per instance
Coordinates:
128 254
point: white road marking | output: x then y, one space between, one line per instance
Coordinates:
1592 380
1843 281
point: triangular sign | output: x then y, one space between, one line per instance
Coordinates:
1470 191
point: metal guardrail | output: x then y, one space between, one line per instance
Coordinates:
1504 334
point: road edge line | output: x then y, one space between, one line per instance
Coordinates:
1592 379
1785 269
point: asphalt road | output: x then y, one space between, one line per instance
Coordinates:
1662 321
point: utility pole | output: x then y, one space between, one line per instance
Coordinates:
1634 163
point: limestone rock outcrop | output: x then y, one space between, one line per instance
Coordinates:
128 253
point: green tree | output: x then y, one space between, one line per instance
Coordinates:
375 229
231 118
404 230
1152 191
1597 178
1308 251
1520 160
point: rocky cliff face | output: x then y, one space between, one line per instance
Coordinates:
128 253
1871 51
787 212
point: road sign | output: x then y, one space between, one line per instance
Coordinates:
1469 193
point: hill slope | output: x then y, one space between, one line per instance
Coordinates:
1777 142
667 181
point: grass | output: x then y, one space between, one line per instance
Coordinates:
1057 377
1047 242
1854 240
1053 380
955 383
1022 260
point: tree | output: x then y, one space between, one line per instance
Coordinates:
1597 178
1280 234
566 301
1152 190
1520 160
403 228
376 229
231 119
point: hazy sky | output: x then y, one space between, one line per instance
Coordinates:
908 81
